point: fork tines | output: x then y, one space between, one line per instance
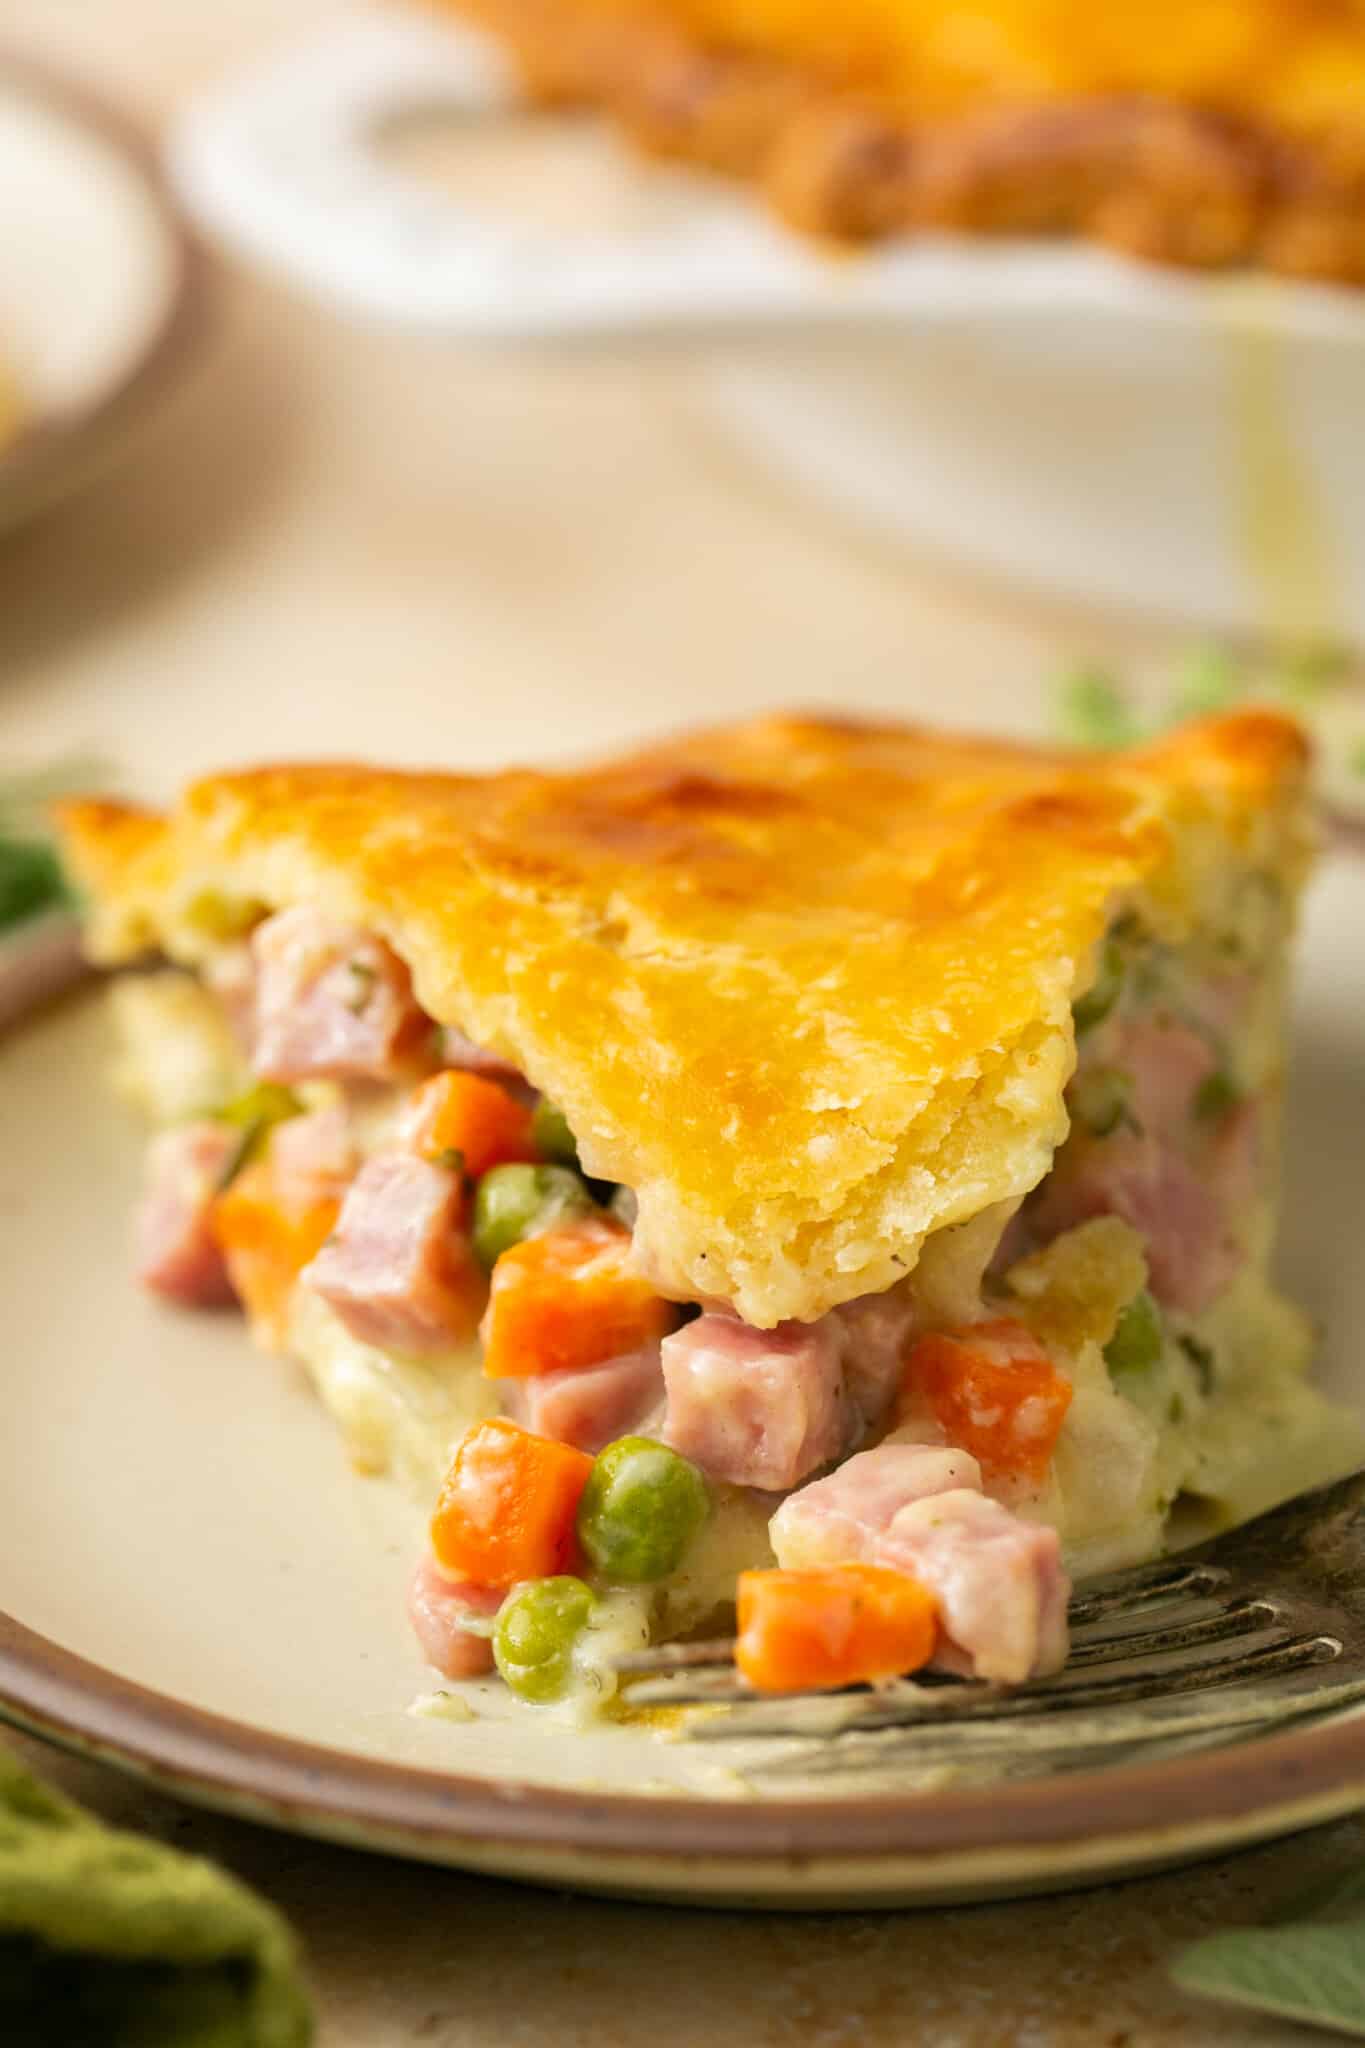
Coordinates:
1258 1627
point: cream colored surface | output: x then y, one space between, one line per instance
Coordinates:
402 547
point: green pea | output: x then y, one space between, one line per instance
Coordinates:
1099 999
1100 1099
516 1202
535 1633
1138 1339
31 880
641 1508
550 1129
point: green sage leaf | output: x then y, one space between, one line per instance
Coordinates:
1309 1971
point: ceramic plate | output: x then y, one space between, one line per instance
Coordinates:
198 1588
98 287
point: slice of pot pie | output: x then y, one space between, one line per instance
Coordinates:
1206 132
830 1157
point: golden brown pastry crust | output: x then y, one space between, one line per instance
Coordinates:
804 984
1157 178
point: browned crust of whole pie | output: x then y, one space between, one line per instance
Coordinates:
1158 179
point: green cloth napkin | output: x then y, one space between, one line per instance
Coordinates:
108 1940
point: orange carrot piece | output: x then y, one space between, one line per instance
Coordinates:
568 1298
508 1507
805 1631
996 1393
267 1238
461 1113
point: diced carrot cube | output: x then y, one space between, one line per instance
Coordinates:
464 1114
569 1298
268 1236
508 1507
802 1631
996 1393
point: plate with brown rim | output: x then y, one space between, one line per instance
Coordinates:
196 1587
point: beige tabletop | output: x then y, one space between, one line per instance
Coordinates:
332 540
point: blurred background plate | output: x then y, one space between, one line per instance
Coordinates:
98 287
1189 447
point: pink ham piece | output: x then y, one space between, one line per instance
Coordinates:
1224 1001
177 1254
589 1406
1183 1184
438 1608
1187 1206
918 1508
874 1333
1167 1062
752 1407
398 1269
840 1520
999 1583
332 1002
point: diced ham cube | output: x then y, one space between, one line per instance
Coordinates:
1184 1180
918 1508
998 1581
874 1334
1224 1000
332 1002
759 1408
438 1608
1185 1214
1166 1062
839 1520
177 1254
589 1406
398 1269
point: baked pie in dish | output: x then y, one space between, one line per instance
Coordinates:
822 1166
1203 132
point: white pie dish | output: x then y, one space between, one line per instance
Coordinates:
1182 445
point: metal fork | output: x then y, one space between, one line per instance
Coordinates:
1240 1635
